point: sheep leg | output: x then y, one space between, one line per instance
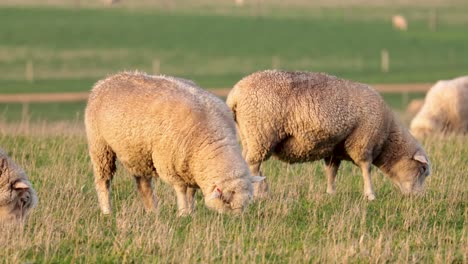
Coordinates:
254 155
103 160
242 140
260 189
191 198
182 201
145 188
255 168
331 168
366 174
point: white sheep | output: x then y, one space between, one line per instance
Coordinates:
166 127
399 22
17 197
445 109
302 116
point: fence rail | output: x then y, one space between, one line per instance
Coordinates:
222 92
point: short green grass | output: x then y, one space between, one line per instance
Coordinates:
72 48
297 223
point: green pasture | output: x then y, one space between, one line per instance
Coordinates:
69 48
297 223
66 49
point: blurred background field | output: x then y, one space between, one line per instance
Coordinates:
66 46
55 46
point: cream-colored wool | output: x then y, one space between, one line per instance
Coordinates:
445 109
17 197
166 127
302 116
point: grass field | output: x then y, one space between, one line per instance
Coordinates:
298 223
71 48
69 45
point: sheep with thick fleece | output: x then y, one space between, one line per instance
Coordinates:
166 127
17 196
445 109
302 116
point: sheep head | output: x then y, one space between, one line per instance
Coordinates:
17 197
409 173
232 196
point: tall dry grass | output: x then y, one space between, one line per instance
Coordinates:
297 223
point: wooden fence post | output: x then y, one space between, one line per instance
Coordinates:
275 62
384 60
156 66
432 22
29 71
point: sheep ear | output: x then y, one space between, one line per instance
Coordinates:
257 178
217 193
20 185
419 156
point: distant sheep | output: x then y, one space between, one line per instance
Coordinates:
17 197
166 127
445 109
239 2
399 22
302 116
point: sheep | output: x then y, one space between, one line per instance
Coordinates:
303 116
167 127
445 109
17 196
399 22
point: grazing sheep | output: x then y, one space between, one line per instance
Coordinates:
301 116
17 197
445 109
399 22
166 127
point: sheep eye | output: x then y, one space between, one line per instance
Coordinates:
423 169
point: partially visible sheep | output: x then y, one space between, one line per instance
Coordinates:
17 197
302 116
445 109
399 22
414 106
166 127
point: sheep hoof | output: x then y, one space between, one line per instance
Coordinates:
370 197
331 191
106 212
184 213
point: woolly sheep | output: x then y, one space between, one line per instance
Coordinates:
445 109
17 196
399 22
166 127
301 116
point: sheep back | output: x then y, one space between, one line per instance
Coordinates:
320 114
